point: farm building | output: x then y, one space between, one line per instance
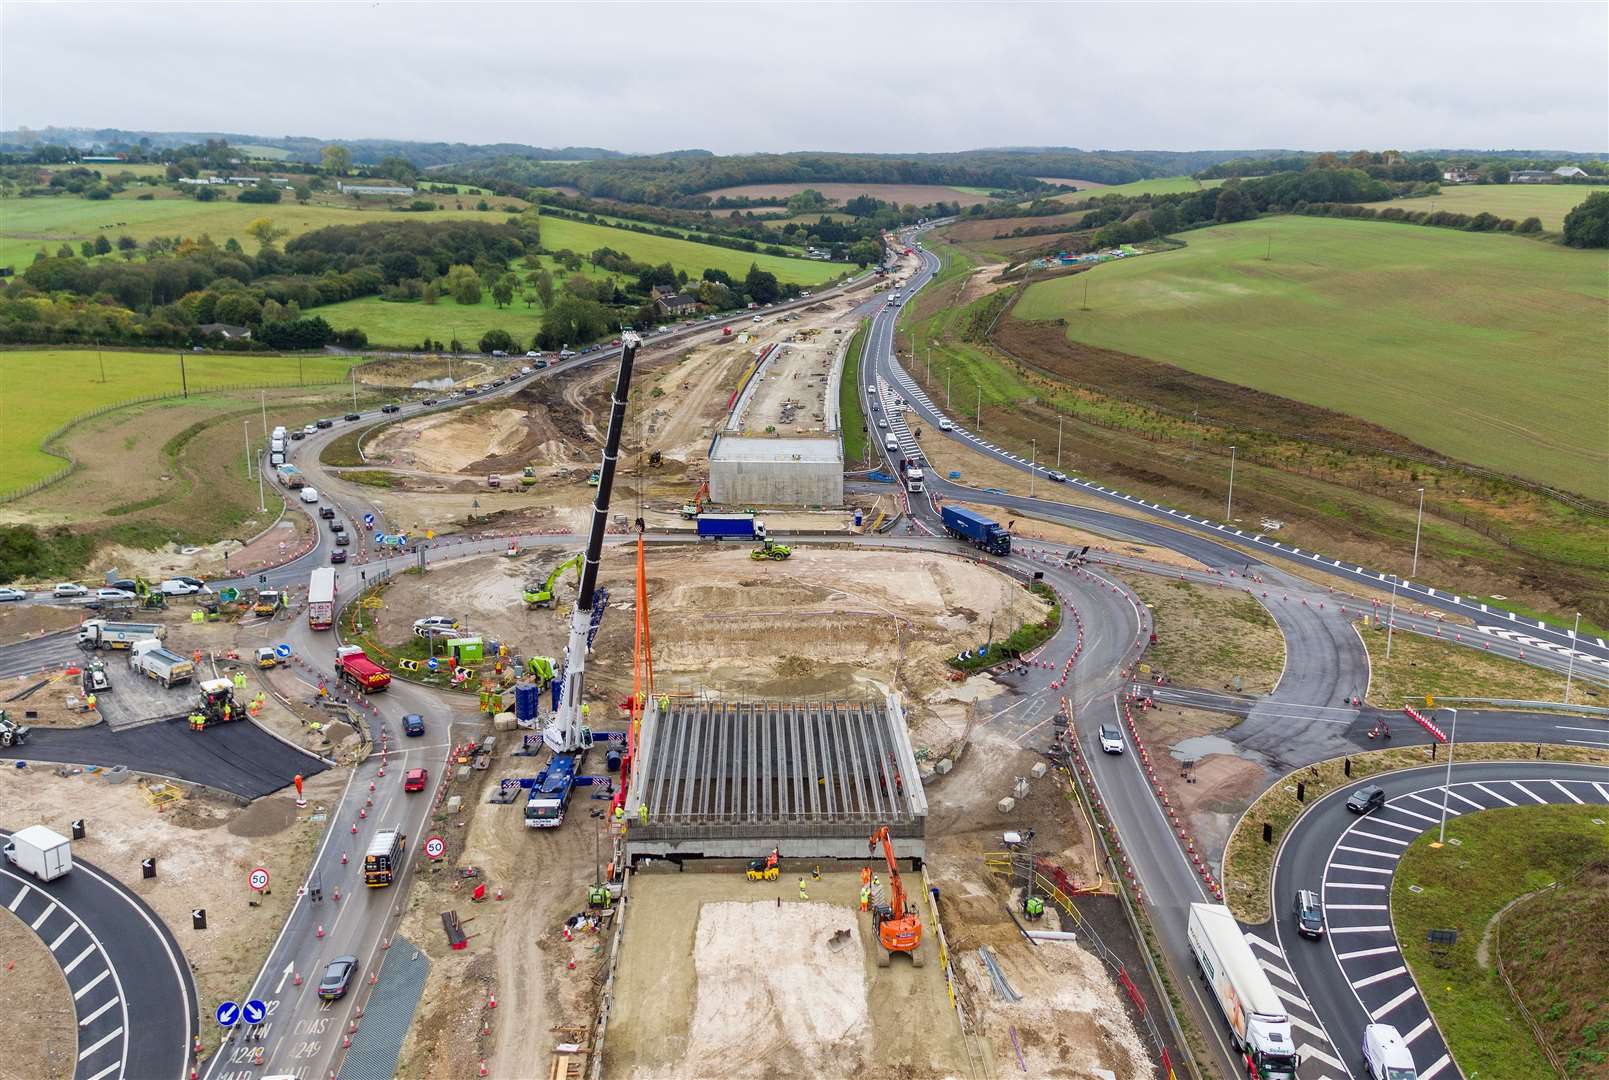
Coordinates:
371 189
1569 172
676 304
1531 176
755 471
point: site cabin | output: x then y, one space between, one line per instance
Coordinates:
321 598
383 861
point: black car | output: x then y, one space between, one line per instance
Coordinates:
1365 799
352 416
428 401
413 724
470 391
338 555
342 540
326 512
127 584
1309 912
338 978
324 424
337 527
390 408
298 436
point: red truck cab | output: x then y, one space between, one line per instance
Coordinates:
354 666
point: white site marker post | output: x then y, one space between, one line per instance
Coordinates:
1569 673
1229 505
1452 744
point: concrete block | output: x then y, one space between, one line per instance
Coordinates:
944 766
1006 805
461 772
488 743
503 721
1039 770
454 803
117 774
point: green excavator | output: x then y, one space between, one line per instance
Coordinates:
539 594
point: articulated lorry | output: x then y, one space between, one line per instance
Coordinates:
321 598
154 662
45 854
915 479
104 634
1257 1019
730 527
976 530
354 666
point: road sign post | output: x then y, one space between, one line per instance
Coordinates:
435 847
258 879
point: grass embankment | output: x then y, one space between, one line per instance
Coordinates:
582 238
1210 637
1021 640
1421 666
1248 862
1486 348
851 418
1491 859
47 388
1559 971
1549 202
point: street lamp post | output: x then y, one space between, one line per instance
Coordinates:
1569 674
1417 525
245 427
1452 744
1391 619
1229 506
1059 419
949 369
1033 468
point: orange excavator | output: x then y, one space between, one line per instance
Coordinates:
899 930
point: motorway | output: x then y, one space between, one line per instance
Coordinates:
132 993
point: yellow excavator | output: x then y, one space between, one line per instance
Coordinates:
539 594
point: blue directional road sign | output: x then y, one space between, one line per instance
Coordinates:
381 538
368 520
228 1014
254 1012
282 651
432 663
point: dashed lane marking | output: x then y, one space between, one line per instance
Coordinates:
1417 1030
79 959
63 936
108 1071
96 1015
43 915
16 901
1412 991
1370 980
1440 1064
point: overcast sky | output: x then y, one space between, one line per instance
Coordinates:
822 76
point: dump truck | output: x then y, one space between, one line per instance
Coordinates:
154 662
105 634
977 530
1260 1027
354 666
321 598
291 477
730 527
268 602
45 854
383 861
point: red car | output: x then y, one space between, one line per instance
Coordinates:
415 779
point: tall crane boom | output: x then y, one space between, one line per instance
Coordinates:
567 733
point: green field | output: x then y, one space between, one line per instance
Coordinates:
695 258
1492 858
45 388
408 324
1550 202
1489 349
851 417
1162 185
26 225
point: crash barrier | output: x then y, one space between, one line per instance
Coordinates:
1128 892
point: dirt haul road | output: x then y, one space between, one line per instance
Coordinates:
34 999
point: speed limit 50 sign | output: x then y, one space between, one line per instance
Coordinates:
258 879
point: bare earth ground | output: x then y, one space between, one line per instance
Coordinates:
1209 637
1209 789
720 976
1031 528
18 623
58 704
34 998
203 847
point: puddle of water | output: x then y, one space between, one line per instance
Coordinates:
442 383
1200 746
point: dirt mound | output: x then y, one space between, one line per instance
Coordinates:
500 437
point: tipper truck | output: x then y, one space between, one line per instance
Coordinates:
730 527
155 662
321 598
1257 1020
103 634
45 854
355 667
977 530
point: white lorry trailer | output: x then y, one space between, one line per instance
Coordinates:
321 598
153 661
104 634
45 854
1257 1018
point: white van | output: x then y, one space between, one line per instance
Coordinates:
279 433
309 495
1385 1055
277 458
277 444
945 425
890 442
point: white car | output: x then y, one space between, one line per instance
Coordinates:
532 354
945 425
1059 477
434 626
114 594
68 588
8 593
1111 739
310 429
175 587
309 495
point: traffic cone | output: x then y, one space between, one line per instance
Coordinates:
373 978
296 978
385 943
343 858
491 1001
363 813
320 934
337 894
346 1042
482 1072
354 828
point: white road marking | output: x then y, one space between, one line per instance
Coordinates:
79 959
1435 805
43 915
17 900
1357 907
1386 870
1281 972
1360 929
1495 795
1463 799
1354 885
1573 796
1399 808
65 934
1307 1051
1317 1033
1392 855
85 1053
1366 952
1358 984
96 1015
1602 791
1384 839
1528 791
1418 1030
1415 829
108 1071
87 987
1440 1064
1269 945
1291 998
1394 1002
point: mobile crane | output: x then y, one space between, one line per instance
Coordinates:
899 930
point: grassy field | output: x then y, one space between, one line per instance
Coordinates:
1550 202
1162 185
916 194
851 418
37 400
1492 858
26 225
695 258
406 325
1485 348
1421 666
